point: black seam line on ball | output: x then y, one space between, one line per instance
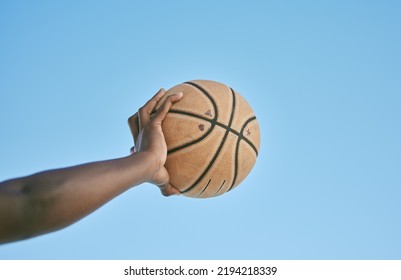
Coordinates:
237 151
219 188
192 142
212 121
218 149
226 134
204 189
216 111
251 119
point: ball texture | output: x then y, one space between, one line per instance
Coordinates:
213 138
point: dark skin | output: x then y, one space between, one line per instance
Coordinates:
53 199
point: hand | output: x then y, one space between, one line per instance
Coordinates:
148 136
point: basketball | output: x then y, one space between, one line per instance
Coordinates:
212 136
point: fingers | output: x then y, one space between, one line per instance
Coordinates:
168 190
161 180
145 111
163 110
133 123
155 99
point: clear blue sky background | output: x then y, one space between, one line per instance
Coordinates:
324 79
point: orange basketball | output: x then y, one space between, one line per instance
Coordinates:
212 136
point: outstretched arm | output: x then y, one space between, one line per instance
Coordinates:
53 199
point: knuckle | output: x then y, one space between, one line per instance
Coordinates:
143 111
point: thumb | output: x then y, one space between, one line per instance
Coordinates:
168 190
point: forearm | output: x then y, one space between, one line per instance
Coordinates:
53 199
73 192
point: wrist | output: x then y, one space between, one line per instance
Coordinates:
150 163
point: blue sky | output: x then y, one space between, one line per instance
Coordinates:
323 77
